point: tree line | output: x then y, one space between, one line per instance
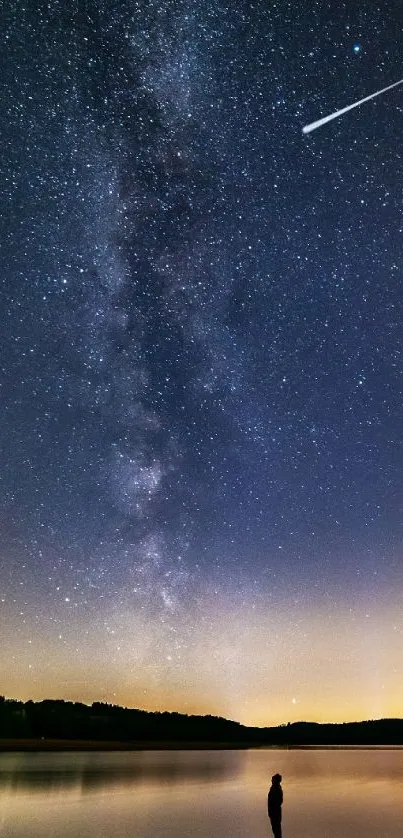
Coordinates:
102 722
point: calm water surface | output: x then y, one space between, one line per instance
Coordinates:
157 794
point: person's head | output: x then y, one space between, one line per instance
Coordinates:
276 779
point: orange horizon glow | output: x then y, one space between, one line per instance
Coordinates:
257 666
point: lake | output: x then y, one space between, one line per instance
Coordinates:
157 794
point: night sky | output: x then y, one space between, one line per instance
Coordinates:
201 355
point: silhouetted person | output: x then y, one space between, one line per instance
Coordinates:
274 802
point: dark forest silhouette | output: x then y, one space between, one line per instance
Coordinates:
101 722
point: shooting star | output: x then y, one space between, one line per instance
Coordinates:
319 122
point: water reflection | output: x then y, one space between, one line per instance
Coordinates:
89 771
168 794
357 764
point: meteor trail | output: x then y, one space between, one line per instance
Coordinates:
319 122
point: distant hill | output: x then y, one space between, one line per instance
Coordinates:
101 722
372 732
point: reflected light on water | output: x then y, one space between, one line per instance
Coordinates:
157 794
90 771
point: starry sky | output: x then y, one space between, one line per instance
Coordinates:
201 357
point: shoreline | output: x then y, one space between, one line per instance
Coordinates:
76 745
44 745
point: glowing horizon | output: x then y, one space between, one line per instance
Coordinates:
253 665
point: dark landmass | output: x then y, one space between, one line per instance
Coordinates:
62 725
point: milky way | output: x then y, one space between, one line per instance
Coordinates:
201 358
